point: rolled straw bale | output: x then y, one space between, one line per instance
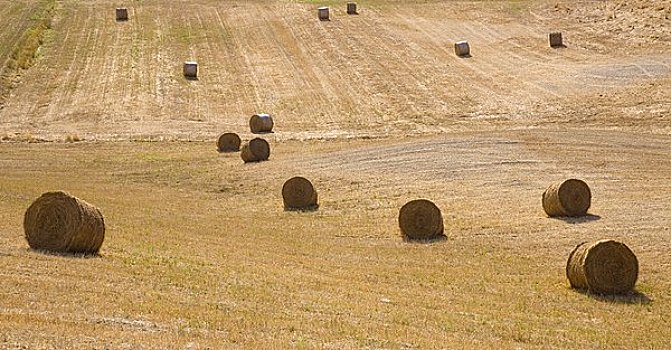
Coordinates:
351 8
121 14
191 69
228 142
323 13
462 49
59 222
420 219
261 123
299 194
604 267
256 150
556 39
568 198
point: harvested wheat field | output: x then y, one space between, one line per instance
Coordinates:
376 110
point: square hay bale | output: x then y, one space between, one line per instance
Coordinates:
351 8
556 39
191 69
323 13
121 14
462 49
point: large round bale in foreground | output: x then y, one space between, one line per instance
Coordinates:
568 198
256 150
228 142
58 222
261 123
299 194
420 219
604 267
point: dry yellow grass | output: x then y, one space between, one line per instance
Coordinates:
376 109
200 251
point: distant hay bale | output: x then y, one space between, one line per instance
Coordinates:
351 8
228 142
191 70
256 150
556 39
299 194
58 222
462 49
323 13
568 198
605 267
420 219
121 14
261 123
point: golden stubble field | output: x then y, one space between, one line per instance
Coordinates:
375 110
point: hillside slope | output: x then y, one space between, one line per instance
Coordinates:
390 70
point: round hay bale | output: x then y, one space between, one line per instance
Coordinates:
605 267
568 198
58 222
121 14
420 219
228 142
462 49
351 8
190 70
299 194
256 150
556 39
323 13
261 123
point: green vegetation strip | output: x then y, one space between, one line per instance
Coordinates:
26 50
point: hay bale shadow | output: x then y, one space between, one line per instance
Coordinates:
468 55
634 297
437 239
67 255
578 219
303 210
191 78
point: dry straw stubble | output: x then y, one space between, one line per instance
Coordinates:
256 150
604 267
228 142
567 198
299 194
421 219
58 222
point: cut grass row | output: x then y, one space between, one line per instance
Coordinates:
26 50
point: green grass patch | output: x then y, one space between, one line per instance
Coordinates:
26 52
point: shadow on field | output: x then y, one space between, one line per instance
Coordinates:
67 255
634 297
425 241
579 220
